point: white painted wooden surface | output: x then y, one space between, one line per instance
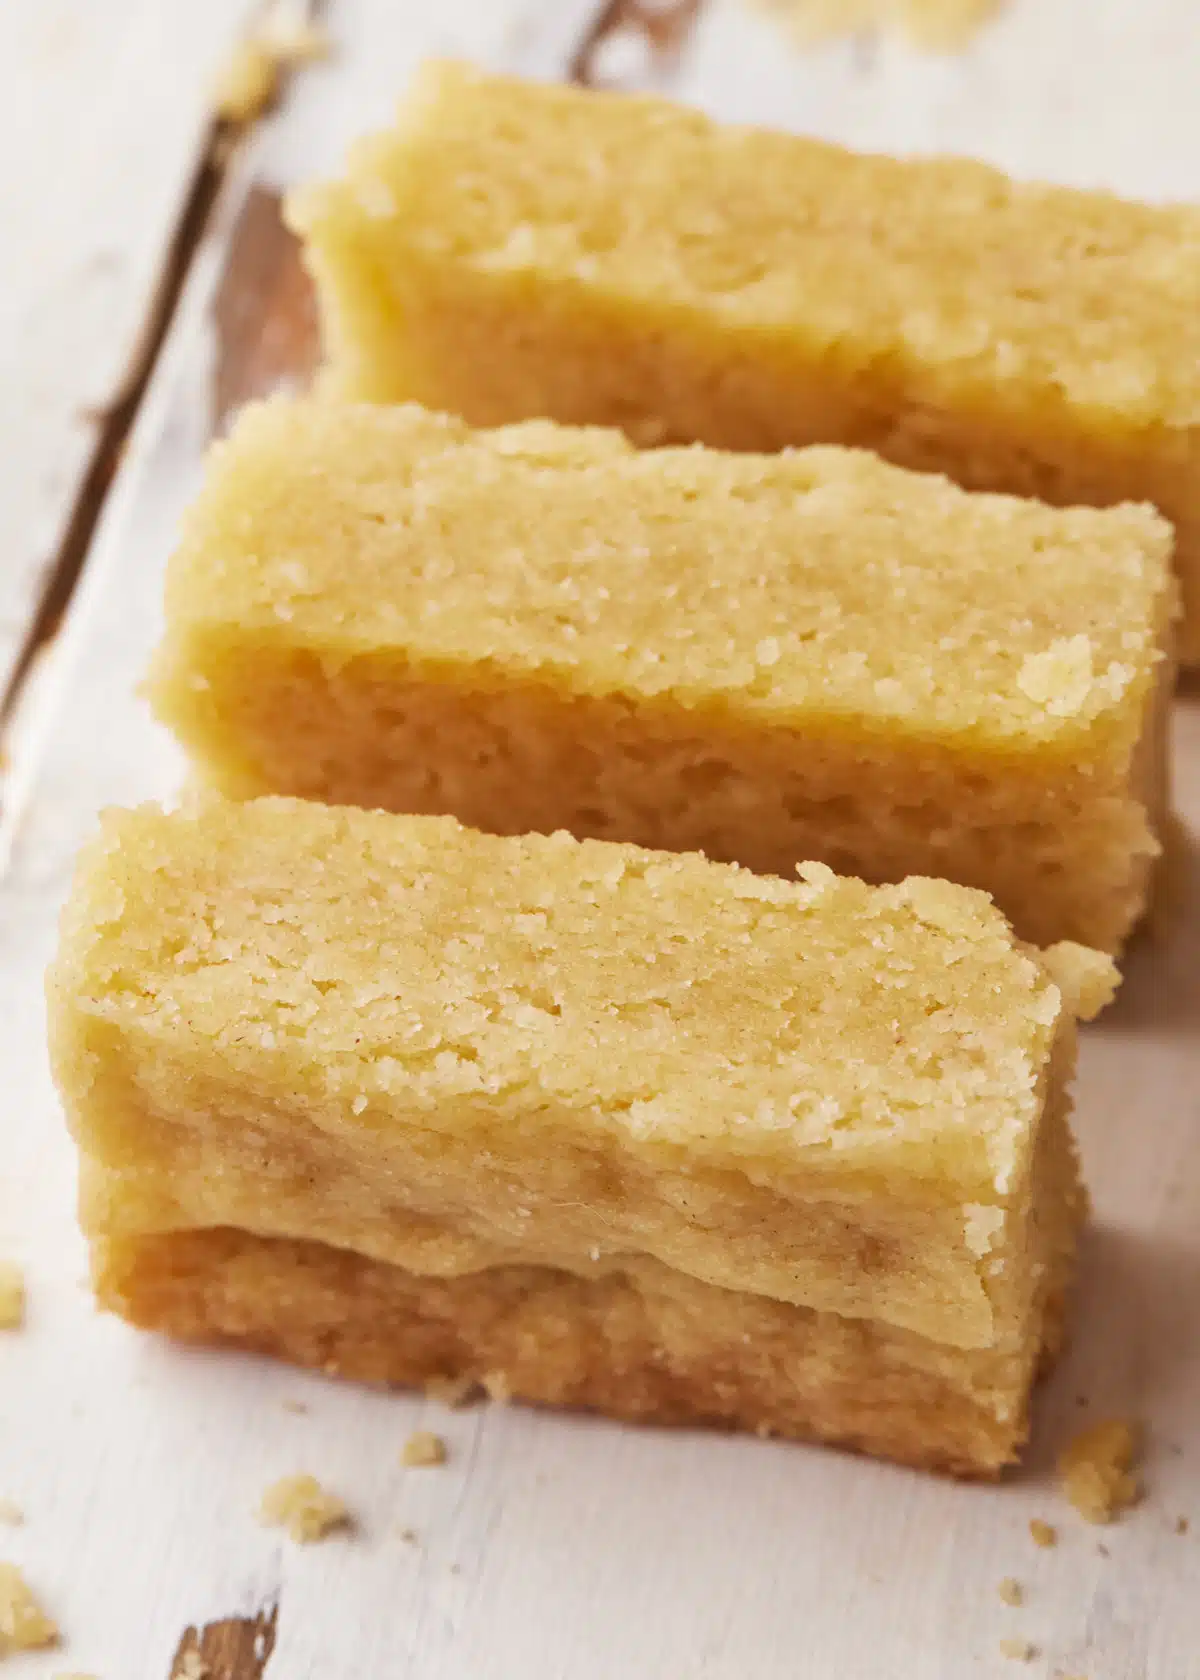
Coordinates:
555 1548
103 110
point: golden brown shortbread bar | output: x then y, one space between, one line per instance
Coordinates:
764 658
663 1093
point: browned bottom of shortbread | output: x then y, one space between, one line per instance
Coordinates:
644 1343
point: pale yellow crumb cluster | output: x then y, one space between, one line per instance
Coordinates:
423 1449
250 77
24 1625
247 82
936 25
296 41
12 1296
302 1506
1096 1469
1011 1592
455 1392
1019 1650
1043 1534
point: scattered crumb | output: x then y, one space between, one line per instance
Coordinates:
409 1536
24 1625
1012 1592
1087 979
1182 1525
1095 1470
454 1392
191 1666
498 1387
297 1406
1103 1550
1044 1534
249 80
12 1515
296 41
1020 1650
422 1449
247 83
301 1505
12 1296
935 25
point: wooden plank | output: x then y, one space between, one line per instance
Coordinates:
552 1547
103 112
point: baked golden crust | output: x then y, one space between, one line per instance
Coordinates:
646 1345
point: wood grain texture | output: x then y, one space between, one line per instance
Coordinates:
553 1548
654 31
264 313
232 1648
104 110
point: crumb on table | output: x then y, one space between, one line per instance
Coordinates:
302 1506
24 1625
11 1513
454 1392
1182 1525
1044 1534
935 25
248 81
298 42
12 1296
1095 1469
498 1387
423 1448
1012 1591
1020 1650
